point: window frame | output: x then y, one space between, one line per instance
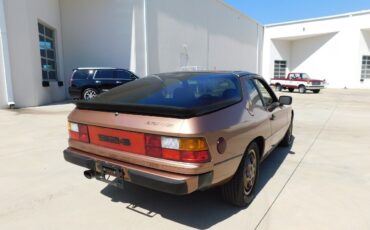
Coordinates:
43 37
268 89
278 69
248 94
365 67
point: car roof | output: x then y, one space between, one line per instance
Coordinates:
99 68
207 73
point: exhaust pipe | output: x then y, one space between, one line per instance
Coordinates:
89 174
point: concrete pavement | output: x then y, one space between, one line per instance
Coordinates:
322 182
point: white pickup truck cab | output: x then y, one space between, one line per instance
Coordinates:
300 81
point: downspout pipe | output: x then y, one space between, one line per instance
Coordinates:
6 58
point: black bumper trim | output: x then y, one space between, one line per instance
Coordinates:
79 160
162 184
158 183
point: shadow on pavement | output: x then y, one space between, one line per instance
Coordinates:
199 210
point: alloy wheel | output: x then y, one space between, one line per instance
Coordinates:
250 172
89 94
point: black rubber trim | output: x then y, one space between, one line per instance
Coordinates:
158 183
79 160
205 180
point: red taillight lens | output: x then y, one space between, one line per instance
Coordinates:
84 133
78 132
195 157
153 151
153 140
171 154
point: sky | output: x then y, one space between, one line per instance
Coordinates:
274 11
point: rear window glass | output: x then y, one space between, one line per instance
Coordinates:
180 90
82 74
121 74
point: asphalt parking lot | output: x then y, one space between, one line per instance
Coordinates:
322 182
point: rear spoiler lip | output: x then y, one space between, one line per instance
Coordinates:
150 110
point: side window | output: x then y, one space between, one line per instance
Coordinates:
82 74
280 67
124 75
104 74
266 96
252 91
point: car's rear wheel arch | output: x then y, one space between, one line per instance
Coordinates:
260 141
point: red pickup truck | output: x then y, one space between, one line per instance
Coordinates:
300 81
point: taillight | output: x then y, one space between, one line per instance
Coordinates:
78 132
192 150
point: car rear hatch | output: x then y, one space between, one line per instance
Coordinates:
149 141
141 122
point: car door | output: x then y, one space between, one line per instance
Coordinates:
278 116
290 80
256 108
122 77
105 80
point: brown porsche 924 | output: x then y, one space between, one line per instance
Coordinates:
182 132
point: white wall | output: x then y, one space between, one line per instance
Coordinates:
96 33
207 34
3 101
280 50
318 57
329 48
22 18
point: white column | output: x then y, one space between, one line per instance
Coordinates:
6 59
139 41
145 37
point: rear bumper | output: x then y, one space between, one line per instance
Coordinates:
149 178
315 87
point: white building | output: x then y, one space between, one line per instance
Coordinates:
335 48
42 41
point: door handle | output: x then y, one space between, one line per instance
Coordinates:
97 82
272 117
118 82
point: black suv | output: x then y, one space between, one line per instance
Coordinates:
87 83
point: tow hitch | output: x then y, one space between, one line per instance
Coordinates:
107 173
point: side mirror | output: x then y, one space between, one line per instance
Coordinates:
285 100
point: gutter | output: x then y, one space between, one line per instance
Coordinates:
351 14
6 59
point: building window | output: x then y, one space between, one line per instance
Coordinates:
47 52
280 69
365 70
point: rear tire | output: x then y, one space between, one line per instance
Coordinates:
316 91
302 89
89 93
291 90
279 88
241 189
288 138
